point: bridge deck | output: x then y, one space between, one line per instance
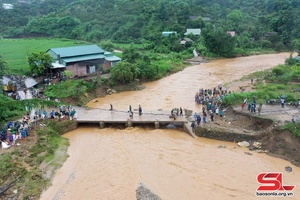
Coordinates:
119 116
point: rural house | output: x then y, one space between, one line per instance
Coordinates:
193 31
110 60
168 33
7 6
231 33
80 60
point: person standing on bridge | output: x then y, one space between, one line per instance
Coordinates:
130 112
140 110
111 108
130 109
180 111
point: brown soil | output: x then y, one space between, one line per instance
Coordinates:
275 141
283 145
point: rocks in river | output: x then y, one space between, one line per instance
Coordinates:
261 151
243 144
288 169
221 146
143 193
257 145
247 153
110 91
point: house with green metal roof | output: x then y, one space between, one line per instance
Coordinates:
193 31
80 60
168 33
110 60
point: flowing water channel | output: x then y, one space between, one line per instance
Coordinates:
110 163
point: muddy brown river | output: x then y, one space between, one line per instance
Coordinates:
109 163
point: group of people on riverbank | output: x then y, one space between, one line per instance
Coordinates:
16 130
211 101
252 106
65 112
215 95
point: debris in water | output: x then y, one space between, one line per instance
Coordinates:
288 169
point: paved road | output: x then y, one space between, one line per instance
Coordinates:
276 113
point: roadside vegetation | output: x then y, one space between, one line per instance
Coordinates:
282 80
272 84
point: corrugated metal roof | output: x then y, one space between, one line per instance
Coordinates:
167 33
83 58
112 58
57 65
194 31
77 50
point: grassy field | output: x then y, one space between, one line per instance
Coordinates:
16 51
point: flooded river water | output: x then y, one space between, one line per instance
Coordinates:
109 163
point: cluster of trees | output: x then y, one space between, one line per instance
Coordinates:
146 65
124 21
136 65
13 22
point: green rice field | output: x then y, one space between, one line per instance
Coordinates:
16 51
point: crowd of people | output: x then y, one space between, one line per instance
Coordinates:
20 129
14 131
214 96
211 101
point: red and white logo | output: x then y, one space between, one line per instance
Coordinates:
271 185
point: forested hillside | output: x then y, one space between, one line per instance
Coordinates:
132 20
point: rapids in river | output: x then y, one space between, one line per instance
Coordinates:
110 163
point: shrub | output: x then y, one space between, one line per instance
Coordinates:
294 128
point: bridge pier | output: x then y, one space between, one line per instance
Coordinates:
102 124
128 124
156 125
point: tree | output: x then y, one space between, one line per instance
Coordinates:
218 41
296 45
124 72
130 55
38 62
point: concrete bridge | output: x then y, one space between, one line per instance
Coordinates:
156 119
